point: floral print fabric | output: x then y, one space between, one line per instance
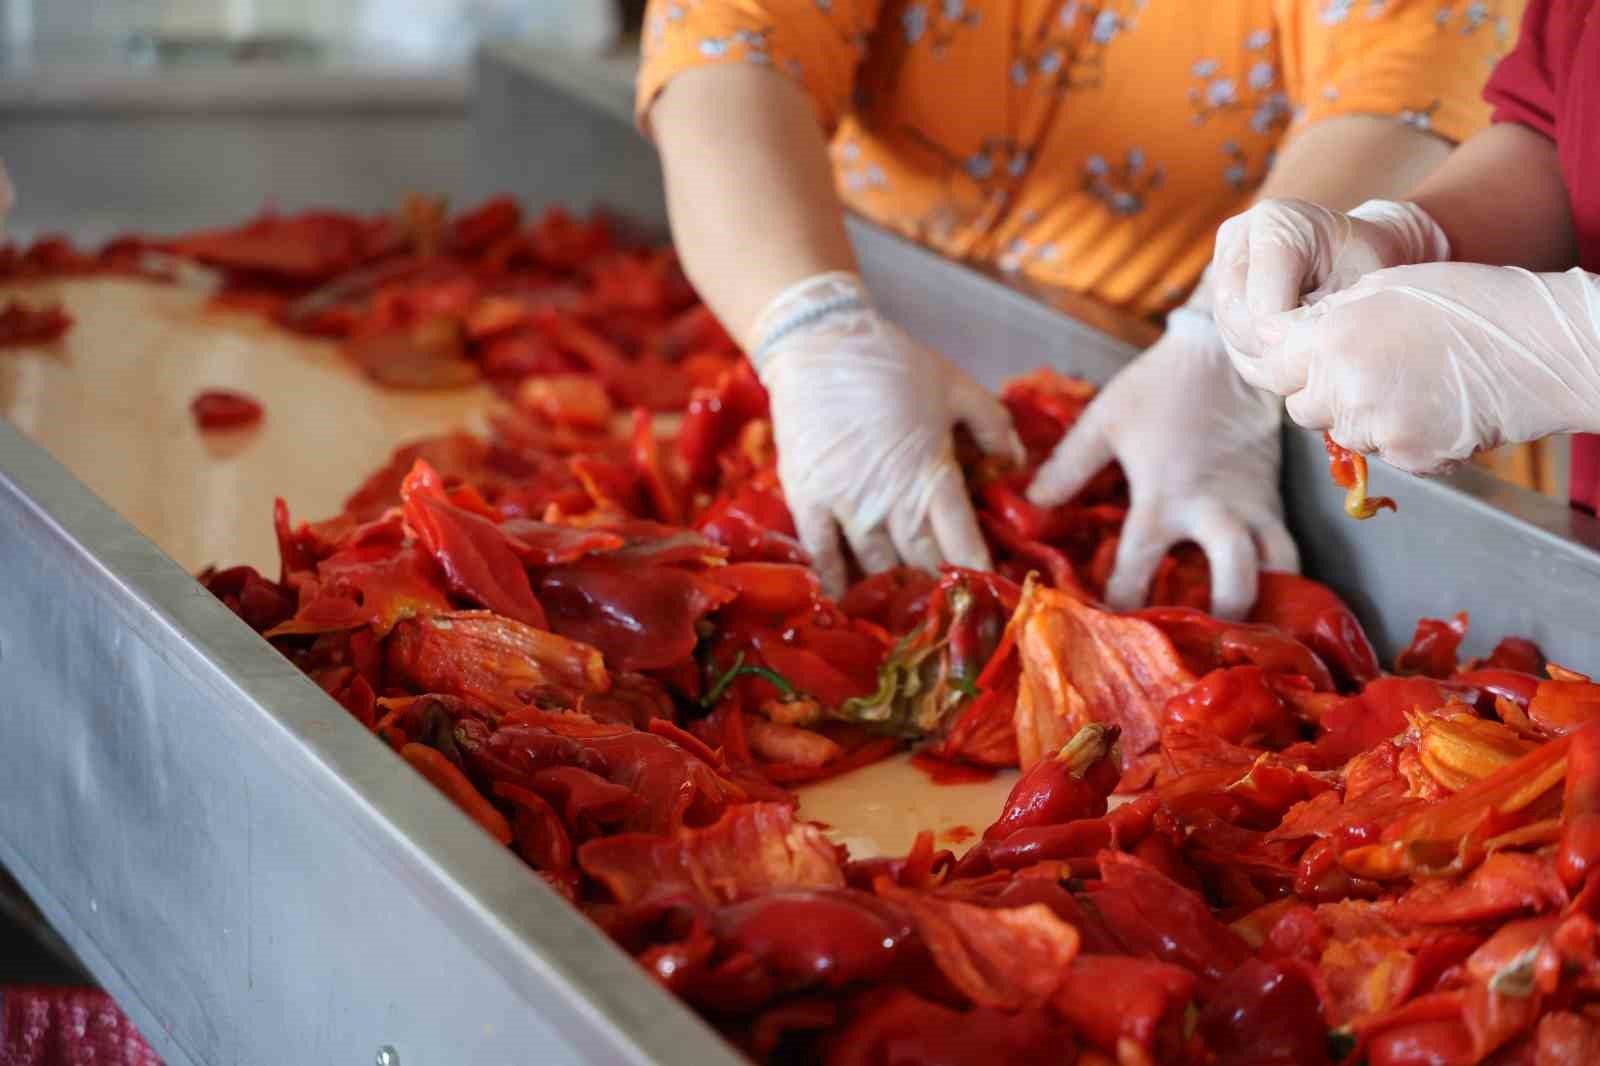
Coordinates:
1091 145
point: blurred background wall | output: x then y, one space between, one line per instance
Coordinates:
160 115
386 31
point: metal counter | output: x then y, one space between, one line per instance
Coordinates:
97 150
258 882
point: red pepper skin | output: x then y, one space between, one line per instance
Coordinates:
1515 653
1433 648
1495 681
1124 827
1068 786
830 937
768 590
1236 703
753 523
224 409
475 230
895 1025
1320 878
714 417
1277 653
1208 644
1349 471
1314 615
475 555
1579 852
21 325
1112 998
1266 1013
895 599
1154 916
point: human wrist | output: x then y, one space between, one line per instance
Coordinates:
802 307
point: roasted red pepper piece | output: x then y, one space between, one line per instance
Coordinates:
475 230
895 599
1433 648
501 662
1450 833
1507 885
714 418
224 409
900 1027
1123 827
1559 707
1110 999
1266 1013
1313 614
306 248
1236 704
474 553
21 325
1349 472
447 777
640 617
1012 958
1579 853
753 848
1068 786
1379 712
1512 653
1154 916
829 937
753 523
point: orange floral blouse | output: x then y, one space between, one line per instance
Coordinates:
1093 145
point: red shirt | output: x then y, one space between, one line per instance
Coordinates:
1551 83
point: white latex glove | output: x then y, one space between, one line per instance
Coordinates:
1201 452
1281 253
1425 365
862 416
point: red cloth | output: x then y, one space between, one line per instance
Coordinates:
1551 83
43 1026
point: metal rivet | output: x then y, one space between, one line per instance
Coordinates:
388 1056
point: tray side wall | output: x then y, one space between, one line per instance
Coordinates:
254 885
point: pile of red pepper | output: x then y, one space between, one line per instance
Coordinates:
596 633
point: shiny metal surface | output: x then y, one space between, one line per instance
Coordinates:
96 151
251 876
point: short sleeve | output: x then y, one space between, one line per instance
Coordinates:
1420 61
818 43
1523 88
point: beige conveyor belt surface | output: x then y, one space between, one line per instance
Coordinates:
111 402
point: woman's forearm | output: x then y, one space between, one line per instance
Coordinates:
1341 162
1501 200
749 188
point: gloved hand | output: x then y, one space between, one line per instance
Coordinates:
862 417
1281 253
1201 452
1425 365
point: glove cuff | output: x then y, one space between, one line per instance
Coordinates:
802 306
1193 324
1421 237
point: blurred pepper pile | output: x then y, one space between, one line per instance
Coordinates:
596 633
